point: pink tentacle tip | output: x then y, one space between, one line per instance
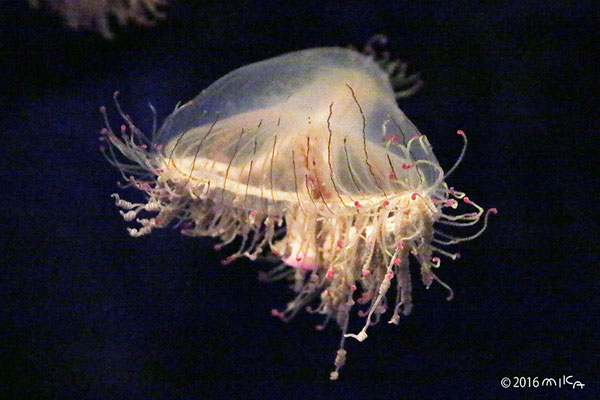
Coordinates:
436 259
385 203
228 260
400 245
397 262
329 274
123 128
104 131
389 276
366 272
116 93
356 204
276 313
340 244
461 132
392 175
406 166
160 171
218 246
353 288
394 138
493 211
414 196
102 109
467 200
450 203
253 213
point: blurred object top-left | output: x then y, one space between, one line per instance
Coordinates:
95 15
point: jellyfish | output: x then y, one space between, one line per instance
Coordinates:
305 157
94 14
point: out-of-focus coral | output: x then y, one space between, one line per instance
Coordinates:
94 14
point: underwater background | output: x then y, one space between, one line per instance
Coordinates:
87 312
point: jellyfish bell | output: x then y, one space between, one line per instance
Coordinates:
308 156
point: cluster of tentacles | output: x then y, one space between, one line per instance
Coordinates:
337 263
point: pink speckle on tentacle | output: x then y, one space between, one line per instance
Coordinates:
228 260
329 274
301 262
279 314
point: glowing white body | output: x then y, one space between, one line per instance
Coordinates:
308 155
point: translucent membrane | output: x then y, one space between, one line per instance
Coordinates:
306 155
